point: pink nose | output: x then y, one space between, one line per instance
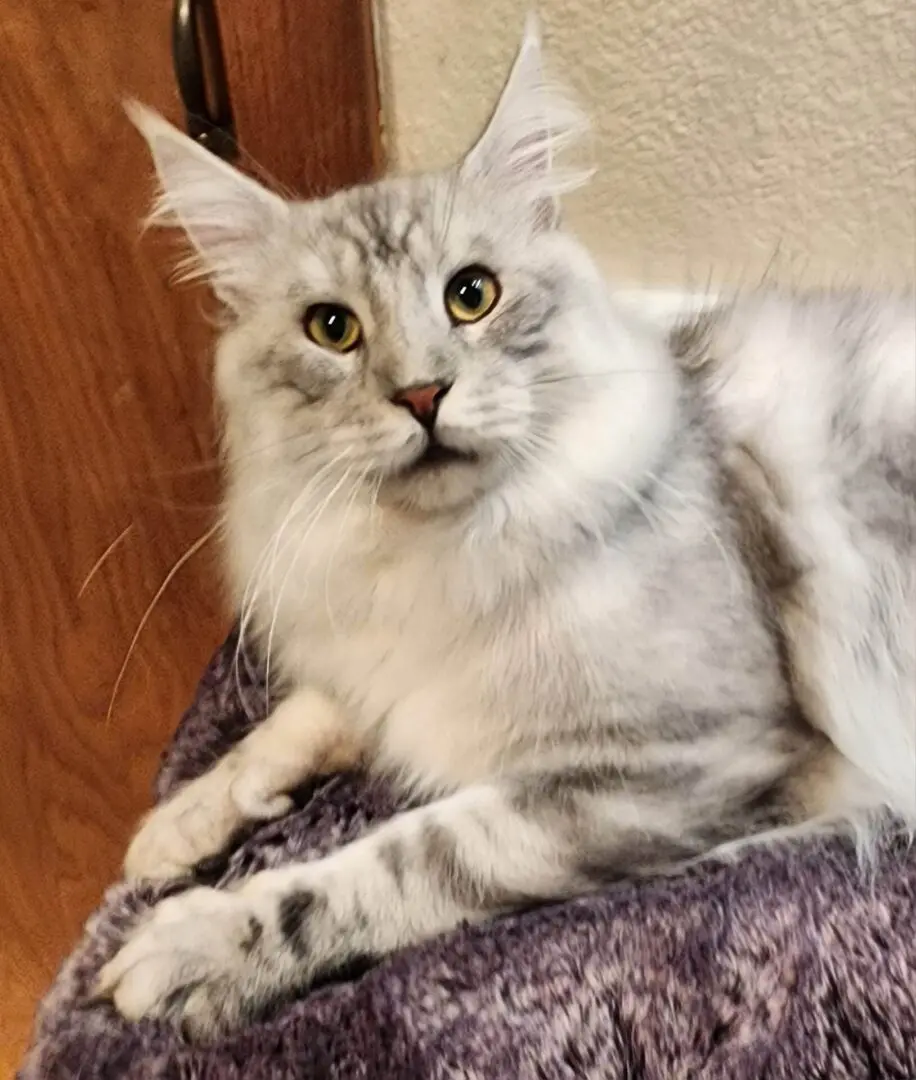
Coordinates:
422 401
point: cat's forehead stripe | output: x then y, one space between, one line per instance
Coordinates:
379 226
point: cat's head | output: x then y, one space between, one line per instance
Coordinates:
423 335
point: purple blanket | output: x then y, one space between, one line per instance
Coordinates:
785 965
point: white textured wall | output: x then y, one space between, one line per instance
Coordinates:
730 135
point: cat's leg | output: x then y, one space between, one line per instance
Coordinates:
210 960
305 735
846 605
851 630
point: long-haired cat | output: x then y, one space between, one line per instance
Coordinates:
608 601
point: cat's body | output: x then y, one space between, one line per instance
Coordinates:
814 399
611 602
516 636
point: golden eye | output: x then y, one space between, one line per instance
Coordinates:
472 293
332 326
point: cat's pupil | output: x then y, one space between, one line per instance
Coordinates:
335 324
470 293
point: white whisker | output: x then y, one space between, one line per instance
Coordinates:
313 520
264 565
169 577
348 506
100 561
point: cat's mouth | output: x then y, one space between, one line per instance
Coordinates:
436 456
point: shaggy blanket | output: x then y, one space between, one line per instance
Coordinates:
786 964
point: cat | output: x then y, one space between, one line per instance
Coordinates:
608 600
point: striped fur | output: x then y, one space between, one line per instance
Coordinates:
663 604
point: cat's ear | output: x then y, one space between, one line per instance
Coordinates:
531 121
230 220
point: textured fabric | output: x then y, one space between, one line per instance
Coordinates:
784 965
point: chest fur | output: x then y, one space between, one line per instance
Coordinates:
405 635
454 659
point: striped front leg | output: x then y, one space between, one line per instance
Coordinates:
211 960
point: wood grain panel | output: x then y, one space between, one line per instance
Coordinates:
106 428
302 79
103 397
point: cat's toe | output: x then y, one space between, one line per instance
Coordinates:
160 851
196 823
202 819
189 964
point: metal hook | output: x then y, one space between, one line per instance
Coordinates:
201 75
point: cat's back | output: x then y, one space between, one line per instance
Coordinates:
820 387
812 401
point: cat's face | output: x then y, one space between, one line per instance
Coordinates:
412 334
419 336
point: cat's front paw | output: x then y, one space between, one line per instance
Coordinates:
194 962
200 821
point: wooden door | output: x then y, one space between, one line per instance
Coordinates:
107 448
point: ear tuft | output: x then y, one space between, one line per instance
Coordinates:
230 220
532 121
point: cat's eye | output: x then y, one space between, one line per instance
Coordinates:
333 326
471 294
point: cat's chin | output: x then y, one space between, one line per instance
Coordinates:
441 478
436 457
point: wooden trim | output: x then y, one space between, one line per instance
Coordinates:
304 90
106 426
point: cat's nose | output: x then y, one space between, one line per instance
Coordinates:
422 401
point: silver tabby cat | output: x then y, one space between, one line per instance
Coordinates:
607 601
